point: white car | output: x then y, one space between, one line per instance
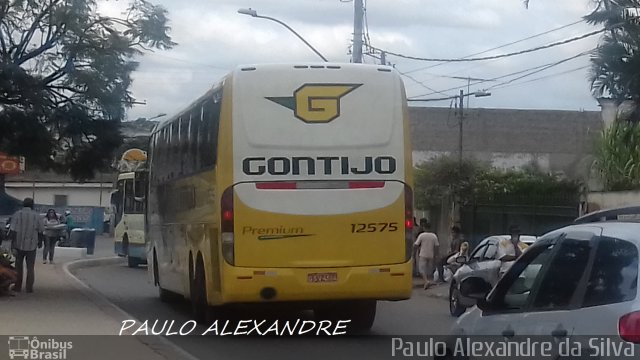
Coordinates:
577 283
482 263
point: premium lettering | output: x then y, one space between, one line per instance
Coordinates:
321 165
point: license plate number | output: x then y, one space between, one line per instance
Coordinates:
322 277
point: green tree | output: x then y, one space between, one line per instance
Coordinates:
65 75
618 156
615 65
472 181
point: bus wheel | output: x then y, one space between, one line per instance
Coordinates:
363 314
132 262
199 304
125 245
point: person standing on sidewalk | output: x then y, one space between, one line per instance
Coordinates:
28 226
51 235
455 243
509 250
428 244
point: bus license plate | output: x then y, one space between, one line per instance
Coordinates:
322 277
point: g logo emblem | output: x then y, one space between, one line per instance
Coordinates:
316 103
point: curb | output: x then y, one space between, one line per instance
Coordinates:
158 344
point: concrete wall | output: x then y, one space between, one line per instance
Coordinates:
558 141
88 194
604 200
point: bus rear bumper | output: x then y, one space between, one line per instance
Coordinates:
251 285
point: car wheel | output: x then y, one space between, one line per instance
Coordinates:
455 308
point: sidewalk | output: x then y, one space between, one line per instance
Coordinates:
439 291
62 305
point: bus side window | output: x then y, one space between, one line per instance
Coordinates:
203 139
129 201
117 201
211 119
174 155
185 167
140 190
165 153
194 125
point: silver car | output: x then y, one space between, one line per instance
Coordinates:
575 284
483 264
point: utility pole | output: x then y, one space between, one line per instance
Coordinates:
358 18
461 113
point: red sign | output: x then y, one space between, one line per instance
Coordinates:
10 165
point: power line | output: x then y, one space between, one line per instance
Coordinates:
422 83
544 77
543 69
563 42
527 72
187 61
501 46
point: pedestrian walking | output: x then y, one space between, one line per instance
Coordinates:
428 244
51 235
417 230
28 227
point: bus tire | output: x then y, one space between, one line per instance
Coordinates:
199 305
363 314
132 262
125 245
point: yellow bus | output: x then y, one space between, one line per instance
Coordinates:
285 183
127 204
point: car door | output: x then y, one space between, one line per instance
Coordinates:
535 297
489 265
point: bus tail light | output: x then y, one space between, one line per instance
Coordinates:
227 226
629 327
408 222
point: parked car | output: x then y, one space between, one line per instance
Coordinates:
576 283
482 263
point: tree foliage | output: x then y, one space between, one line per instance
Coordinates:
615 69
472 181
65 75
618 157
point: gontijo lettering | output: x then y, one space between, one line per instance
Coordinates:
321 165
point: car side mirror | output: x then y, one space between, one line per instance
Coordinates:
461 260
475 288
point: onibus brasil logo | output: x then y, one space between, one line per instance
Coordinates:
32 348
316 103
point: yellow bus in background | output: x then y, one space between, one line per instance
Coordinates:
285 183
127 204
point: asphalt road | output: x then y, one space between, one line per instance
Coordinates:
131 290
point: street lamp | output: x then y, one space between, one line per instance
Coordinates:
253 13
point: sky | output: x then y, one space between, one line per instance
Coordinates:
213 38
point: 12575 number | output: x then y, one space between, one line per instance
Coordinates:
374 227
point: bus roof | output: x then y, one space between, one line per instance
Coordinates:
274 67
